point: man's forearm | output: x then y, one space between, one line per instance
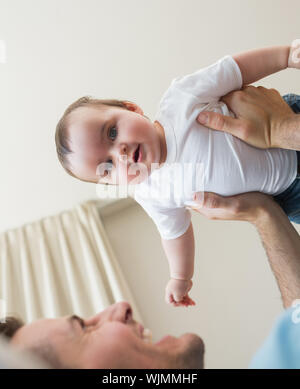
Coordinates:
282 244
286 133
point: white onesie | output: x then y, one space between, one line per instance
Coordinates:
199 158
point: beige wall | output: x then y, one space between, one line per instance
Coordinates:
59 50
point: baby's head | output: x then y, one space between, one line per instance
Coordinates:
99 140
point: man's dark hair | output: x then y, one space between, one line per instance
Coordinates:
9 326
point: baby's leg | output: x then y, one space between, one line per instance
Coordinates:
293 101
289 200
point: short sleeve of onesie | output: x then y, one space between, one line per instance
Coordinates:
211 83
170 222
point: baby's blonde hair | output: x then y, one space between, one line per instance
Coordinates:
61 134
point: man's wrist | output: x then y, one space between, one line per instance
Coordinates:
277 128
283 130
265 213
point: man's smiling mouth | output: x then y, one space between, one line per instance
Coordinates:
147 335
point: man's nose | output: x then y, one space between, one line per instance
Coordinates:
121 311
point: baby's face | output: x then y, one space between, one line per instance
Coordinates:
112 138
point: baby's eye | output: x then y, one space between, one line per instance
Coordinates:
109 161
112 133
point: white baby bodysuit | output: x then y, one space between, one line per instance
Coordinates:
201 159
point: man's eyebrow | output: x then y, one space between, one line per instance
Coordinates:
73 318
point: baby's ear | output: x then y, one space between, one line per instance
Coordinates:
133 107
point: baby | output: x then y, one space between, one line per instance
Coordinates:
112 142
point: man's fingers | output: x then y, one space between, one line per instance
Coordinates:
219 122
210 200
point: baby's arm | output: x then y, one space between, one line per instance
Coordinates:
260 63
180 253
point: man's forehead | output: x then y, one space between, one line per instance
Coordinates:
39 329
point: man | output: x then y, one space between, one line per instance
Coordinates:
282 244
264 120
112 339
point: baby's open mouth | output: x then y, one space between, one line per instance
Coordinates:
136 154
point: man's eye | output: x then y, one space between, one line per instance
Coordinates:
110 162
112 133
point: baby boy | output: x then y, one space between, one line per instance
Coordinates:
171 158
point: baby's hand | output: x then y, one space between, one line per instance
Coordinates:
177 293
294 57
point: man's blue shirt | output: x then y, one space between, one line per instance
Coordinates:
281 349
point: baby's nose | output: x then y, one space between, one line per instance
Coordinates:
123 152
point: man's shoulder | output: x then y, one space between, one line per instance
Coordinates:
281 349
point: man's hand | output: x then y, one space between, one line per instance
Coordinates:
246 207
177 293
280 239
260 114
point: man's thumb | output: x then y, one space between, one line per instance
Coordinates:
212 200
217 121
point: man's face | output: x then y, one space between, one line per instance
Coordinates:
103 138
111 339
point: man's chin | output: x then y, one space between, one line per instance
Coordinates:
166 340
193 351
187 350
